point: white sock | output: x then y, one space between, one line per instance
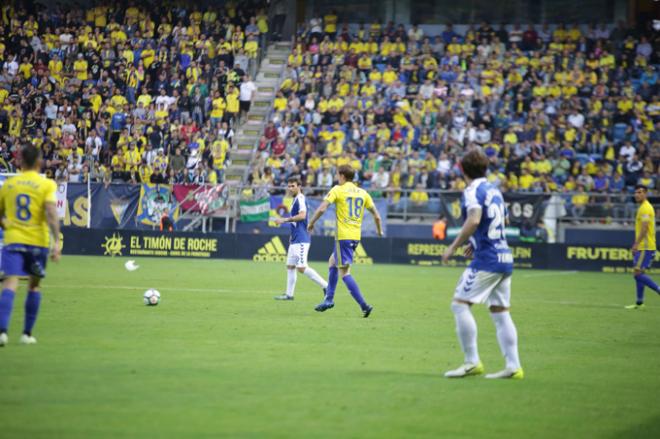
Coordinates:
314 276
466 329
507 336
291 276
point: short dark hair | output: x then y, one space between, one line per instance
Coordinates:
642 187
294 179
474 164
29 155
347 172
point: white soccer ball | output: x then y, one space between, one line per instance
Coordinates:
151 297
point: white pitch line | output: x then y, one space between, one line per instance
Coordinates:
572 303
561 273
127 287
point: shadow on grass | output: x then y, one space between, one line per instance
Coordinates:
648 429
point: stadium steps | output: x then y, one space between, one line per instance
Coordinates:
236 170
267 80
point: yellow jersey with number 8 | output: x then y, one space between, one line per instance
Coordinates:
24 198
350 203
646 213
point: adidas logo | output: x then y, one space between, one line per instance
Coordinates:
272 251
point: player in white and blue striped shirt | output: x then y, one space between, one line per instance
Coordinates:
488 278
298 243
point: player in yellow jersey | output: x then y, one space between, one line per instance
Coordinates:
28 212
644 246
350 202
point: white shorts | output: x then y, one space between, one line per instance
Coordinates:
297 254
484 287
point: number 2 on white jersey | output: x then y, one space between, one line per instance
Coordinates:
496 216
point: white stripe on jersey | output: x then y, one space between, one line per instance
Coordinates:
302 205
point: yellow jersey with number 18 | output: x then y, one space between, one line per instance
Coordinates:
645 213
24 198
350 203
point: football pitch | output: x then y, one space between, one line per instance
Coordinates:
220 358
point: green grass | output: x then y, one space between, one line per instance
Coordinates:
220 358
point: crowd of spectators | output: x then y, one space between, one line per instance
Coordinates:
565 108
126 92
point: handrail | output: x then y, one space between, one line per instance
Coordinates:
309 189
616 207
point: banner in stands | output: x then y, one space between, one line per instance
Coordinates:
155 201
280 206
77 205
115 206
61 199
195 198
522 208
273 248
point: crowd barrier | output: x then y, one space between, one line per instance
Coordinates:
272 248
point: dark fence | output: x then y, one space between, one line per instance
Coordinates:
272 248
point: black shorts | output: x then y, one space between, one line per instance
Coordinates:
245 106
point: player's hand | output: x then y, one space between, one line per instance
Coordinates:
634 247
448 254
56 253
310 227
380 234
468 251
279 221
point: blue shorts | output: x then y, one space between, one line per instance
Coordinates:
24 260
344 250
643 259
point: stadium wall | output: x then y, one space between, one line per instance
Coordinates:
272 248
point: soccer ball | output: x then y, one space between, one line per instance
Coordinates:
151 297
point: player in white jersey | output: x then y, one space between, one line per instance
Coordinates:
298 243
488 278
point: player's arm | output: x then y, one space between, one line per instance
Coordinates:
54 226
379 222
469 227
319 212
293 219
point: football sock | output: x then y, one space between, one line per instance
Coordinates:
507 336
640 289
466 329
333 278
314 276
32 303
291 276
6 305
644 279
355 290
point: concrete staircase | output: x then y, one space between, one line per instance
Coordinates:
267 81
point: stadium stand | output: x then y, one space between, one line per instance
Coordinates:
557 109
135 93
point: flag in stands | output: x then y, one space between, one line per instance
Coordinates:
257 210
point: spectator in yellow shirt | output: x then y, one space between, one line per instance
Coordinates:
579 202
526 180
419 197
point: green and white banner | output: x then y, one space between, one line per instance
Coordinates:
257 210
